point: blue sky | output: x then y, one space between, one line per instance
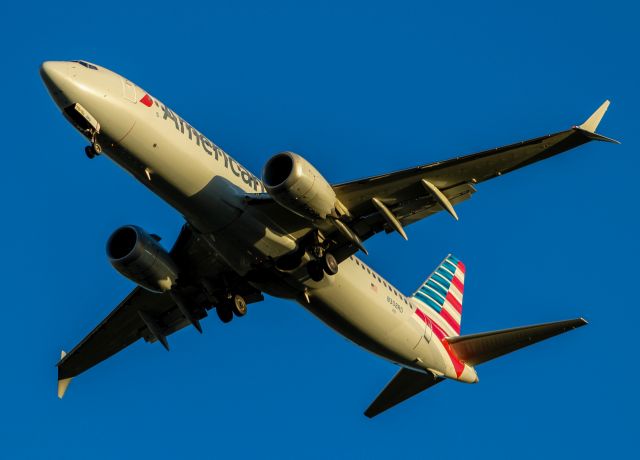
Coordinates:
358 89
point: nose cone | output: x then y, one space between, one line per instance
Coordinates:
56 76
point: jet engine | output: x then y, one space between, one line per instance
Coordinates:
139 257
295 184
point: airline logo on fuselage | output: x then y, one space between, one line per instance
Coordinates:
207 146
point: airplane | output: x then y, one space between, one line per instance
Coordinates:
289 234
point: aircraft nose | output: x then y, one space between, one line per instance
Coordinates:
54 74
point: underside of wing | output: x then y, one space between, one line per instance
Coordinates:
120 329
154 316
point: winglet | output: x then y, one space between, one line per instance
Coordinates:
64 383
594 120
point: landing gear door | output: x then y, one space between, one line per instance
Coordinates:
129 91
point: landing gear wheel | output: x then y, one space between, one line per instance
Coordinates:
239 305
329 264
90 152
224 312
97 148
315 270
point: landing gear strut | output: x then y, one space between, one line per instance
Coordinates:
94 149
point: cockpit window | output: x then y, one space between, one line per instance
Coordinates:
87 65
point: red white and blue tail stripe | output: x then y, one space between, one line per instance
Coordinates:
442 294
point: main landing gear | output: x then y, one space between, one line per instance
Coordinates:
327 263
234 305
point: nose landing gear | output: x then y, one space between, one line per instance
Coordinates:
95 149
91 151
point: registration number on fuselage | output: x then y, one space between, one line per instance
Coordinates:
395 304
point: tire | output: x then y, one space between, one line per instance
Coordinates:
329 264
239 305
316 273
224 312
89 152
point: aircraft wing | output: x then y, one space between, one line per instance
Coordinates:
151 316
390 202
413 194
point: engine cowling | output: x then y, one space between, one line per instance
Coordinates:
138 256
295 184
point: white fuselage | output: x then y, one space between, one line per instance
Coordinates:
209 188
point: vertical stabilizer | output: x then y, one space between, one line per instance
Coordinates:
442 294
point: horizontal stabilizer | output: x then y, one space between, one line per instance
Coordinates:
479 348
405 384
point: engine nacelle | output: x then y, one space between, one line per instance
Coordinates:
295 184
139 257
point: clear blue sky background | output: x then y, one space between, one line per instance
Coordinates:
358 89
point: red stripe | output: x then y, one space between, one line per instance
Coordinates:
454 302
457 365
458 284
461 267
437 330
449 319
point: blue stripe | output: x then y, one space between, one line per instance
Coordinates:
441 280
439 289
432 294
453 259
448 266
445 273
428 301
